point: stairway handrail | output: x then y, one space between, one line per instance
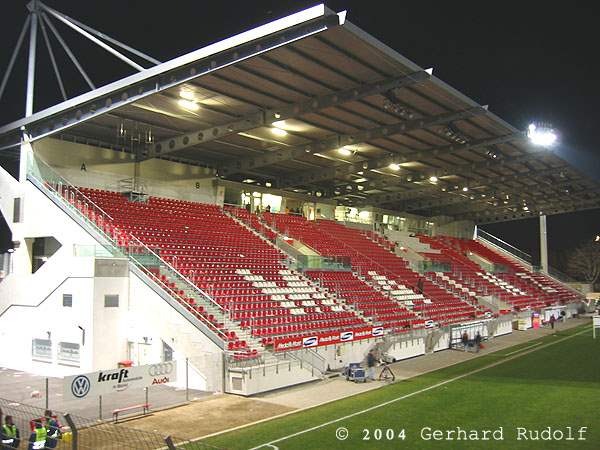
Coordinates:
128 234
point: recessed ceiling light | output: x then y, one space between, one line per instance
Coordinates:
433 179
394 166
268 184
344 151
465 189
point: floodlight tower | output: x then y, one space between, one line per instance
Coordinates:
543 135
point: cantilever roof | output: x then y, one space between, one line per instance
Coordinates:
410 142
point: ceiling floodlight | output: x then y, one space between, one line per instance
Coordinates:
188 104
433 179
187 94
465 189
344 151
542 135
394 166
279 132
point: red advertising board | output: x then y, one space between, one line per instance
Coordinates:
320 339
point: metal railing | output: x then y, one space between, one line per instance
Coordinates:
497 242
115 241
307 357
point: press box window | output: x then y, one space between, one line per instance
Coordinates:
68 353
68 300
41 349
111 301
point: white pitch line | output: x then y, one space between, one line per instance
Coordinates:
412 394
521 349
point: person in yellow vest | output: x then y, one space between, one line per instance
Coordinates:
37 438
11 437
53 431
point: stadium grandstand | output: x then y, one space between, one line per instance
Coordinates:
299 192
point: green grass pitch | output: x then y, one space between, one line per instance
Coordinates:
555 384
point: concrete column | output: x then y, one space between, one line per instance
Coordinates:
543 244
25 153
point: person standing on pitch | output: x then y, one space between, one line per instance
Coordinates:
552 320
477 341
11 438
371 360
465 340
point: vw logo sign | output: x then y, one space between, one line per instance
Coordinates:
156 370
80 386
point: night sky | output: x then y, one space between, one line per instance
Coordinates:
526 60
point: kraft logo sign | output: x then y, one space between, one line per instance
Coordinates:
310 341
377 331
118 376
156 370
80 386
346 336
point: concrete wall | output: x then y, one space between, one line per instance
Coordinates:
104 168
263 379
407 349
449 227
151 320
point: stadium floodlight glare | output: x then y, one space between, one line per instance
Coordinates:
542 135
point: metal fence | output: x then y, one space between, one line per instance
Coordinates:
47 393
79 433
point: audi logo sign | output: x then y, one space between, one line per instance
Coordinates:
118 380
165 368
